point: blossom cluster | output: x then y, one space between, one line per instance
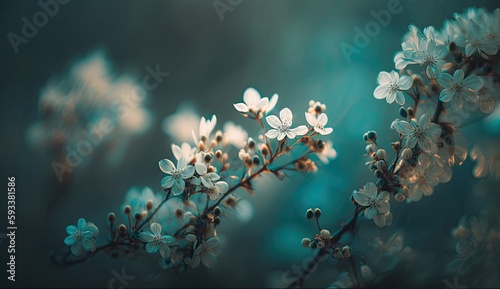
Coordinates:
200 183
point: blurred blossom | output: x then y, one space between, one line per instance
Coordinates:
478 244
487 157
385 256
74 108
235 134
179 125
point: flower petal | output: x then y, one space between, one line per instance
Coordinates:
445 80
201 168
286 116
272 133
187 172
311 119
384 78
167 182
241 107
151 248
70 240
473 82
77 249
71 229
381 92
404 82
82 224
89 245
273 121
300 130
370 212
155 228
251 96
166 166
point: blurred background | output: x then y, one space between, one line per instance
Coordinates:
292 48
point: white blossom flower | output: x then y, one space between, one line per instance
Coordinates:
155 241
476 40
185 151
431 57
176 176
206 252
205 177
391 85
425 176
253 102
206 127
281 128
217 189
425 133
179 125
318 123
456 88
375 202
81 237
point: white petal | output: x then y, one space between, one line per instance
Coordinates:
201 168
272 102
272 133
290 134
251 96
381 92
384 78
241 107
262 104
167 182
286 115
311 119
300 130
325 131
322 119
273 121
400 98
177 151
404 127
156 228
445 80
404 82
166 166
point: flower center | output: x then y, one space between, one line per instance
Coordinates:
458 87
176 173
393 87
78 235
429 59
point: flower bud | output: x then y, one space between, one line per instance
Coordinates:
346 251
208 158
396 146
325 234
337 253
381 165
381 154
217 211
317 213
144 214
407 153
411 112
217 220
320 245
371 136
305 242
403 112
111 217
251 143
138 216
149 205
218 154
378 173
264 150
127 210
219 136
122 228
309 214
256 160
